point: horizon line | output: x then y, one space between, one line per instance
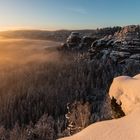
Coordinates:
60 29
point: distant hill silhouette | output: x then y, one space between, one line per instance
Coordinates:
59 35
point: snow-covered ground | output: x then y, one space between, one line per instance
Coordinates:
126 90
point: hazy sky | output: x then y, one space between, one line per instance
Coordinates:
67 14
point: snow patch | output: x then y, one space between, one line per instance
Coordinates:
126 90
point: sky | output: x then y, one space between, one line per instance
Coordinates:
67 14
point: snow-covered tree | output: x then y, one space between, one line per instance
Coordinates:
78 116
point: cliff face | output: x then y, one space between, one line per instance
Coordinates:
122 47
128 33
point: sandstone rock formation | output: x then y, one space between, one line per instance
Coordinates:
121 47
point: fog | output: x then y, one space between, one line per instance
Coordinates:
23 51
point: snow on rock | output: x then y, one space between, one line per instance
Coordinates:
135 56
123 45
127 91
115 55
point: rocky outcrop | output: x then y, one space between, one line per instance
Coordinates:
121 47
78 42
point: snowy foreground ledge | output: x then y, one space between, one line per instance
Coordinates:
126 90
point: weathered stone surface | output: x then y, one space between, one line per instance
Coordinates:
124 45
135 56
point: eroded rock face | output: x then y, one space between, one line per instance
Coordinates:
76 41
128 34
121 47
72 42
